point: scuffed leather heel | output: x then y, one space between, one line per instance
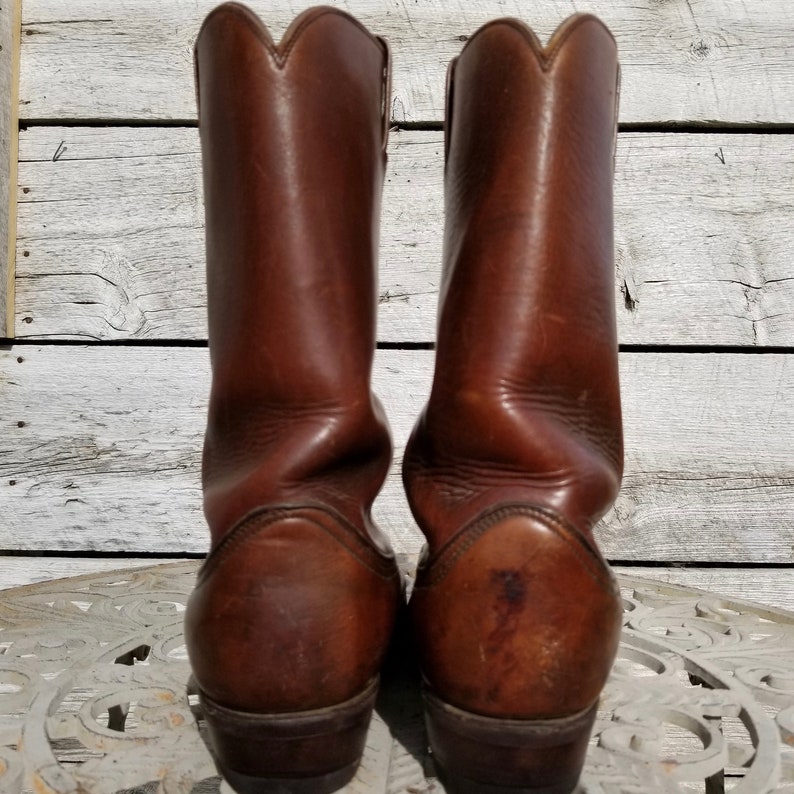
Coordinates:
487 755
308 752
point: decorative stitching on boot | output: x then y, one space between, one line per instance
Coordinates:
441 563
261 31
545 57
261 518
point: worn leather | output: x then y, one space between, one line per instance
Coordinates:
519 450
295 604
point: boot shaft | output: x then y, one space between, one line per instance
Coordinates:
525 404
293 144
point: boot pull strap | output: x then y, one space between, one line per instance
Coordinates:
618 78
196 86
386 106
450 90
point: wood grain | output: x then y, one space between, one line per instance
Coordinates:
110 242
683 61
101 446
9 105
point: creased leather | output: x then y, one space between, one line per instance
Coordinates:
519 450
295 605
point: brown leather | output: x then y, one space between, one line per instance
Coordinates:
295 604
519 450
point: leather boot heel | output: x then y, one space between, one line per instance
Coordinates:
487 755
307 752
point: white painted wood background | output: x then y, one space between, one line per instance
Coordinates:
99 454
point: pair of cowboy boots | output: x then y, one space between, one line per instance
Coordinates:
516 456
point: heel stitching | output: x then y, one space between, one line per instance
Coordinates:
439 565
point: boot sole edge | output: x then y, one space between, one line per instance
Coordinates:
305 752
476 754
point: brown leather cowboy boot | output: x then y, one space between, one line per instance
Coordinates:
519 450
295 604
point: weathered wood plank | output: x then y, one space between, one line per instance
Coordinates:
17 571
101 452
110 242
10 19
684 61
773 587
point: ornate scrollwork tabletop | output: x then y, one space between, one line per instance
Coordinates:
95 696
